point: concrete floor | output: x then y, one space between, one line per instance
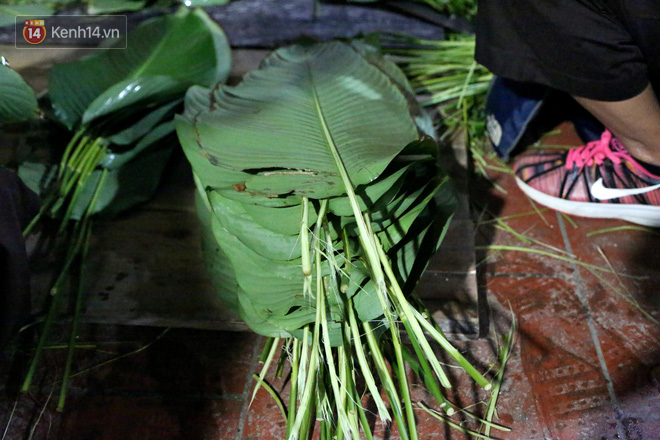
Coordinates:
585 365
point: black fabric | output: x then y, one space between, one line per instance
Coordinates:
18 205
605 50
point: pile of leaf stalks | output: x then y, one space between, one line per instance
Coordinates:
445 78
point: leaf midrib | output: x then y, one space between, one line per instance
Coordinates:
367 240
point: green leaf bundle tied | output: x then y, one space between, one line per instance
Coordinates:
321 203
121 105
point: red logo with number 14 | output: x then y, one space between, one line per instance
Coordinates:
34 31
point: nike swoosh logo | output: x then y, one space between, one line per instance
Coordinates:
600 192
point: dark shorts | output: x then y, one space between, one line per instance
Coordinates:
606 50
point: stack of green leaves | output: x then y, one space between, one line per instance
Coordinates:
120 104
321 202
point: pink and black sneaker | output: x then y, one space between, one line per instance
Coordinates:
600 180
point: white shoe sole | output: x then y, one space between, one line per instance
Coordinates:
640 214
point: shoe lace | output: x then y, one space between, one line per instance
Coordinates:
596 152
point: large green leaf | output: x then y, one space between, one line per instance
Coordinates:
217 263
197 100
377 195
268 283
173 51
135 91
8 13
273 134
124 186
114 161
284 220
17 102
373 56
363 291
258 319
368 195
405 214
144 125
263 241
37 175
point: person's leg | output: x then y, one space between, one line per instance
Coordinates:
635 122
615 177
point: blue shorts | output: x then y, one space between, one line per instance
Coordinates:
607 50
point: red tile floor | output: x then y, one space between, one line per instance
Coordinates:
585 366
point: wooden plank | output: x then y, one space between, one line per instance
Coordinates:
148 270
271 23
